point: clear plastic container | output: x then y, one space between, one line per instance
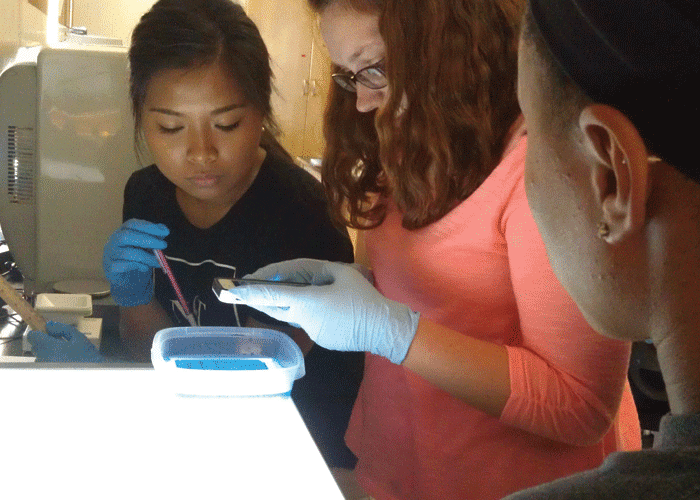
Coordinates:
226 361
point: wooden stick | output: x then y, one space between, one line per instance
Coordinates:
8 293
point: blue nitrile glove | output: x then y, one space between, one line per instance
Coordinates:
128 261
341 310
62 343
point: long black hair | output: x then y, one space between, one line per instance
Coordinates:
182 34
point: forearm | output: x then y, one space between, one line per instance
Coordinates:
472 370
138 325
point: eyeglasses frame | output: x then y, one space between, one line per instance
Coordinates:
351 78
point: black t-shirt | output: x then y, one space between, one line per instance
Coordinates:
282 216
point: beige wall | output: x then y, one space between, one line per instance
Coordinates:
22 24
10 25
112 18
24 21
33 25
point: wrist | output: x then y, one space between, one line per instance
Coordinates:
132 289
403 325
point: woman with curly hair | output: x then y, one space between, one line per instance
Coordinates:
481 375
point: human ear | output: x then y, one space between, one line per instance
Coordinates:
619 170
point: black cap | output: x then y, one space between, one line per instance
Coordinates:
639 56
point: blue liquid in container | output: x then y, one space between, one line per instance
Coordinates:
221 364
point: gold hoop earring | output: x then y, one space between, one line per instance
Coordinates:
603 230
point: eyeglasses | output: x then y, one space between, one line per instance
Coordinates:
372 77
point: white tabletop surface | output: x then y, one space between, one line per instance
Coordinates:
96 431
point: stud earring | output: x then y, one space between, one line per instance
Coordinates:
603 230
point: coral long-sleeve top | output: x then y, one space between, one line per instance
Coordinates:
483 270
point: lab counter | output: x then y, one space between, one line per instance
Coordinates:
114 431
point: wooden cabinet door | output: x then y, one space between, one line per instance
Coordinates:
301 68
320 79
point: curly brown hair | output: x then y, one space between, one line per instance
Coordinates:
452 70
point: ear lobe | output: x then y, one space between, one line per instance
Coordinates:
619 170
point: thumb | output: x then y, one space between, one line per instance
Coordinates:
257 295
38 340
58 330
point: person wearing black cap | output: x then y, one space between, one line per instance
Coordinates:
610 94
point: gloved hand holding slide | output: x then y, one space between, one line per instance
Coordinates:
340 310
